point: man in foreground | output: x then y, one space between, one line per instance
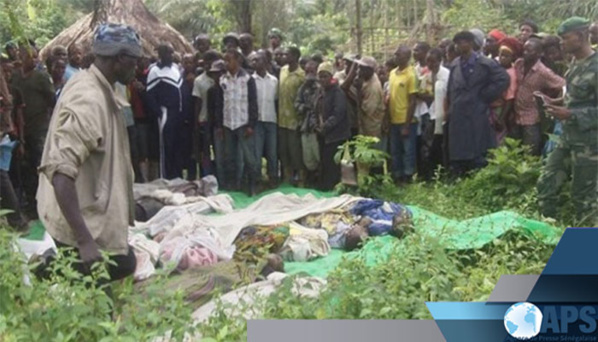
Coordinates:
86 180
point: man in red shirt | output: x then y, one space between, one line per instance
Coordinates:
532 76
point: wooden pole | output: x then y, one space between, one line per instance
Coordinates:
372 32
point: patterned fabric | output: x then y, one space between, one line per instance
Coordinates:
236 100
539 78
582 100
111 39
254 243
577 146
287 93
305 104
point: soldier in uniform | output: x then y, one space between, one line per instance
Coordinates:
578 111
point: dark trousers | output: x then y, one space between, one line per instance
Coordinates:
436 151
34 147
132 130
330 172
186 158
170 165
462 167
204 135
124 265
425 165
529 135
11 202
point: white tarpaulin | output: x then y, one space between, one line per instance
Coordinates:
273 209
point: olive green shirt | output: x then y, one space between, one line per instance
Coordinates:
88 141
582 100
38 96
289 85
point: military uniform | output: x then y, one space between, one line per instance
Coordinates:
579 143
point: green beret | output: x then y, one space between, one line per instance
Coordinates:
573 24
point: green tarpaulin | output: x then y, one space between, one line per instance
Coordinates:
460 235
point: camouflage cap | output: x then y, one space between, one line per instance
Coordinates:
112 39
573 24
274 32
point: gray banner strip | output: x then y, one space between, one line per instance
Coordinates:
513 288
343 331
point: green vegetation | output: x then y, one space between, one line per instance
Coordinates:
418 269
68 307
315 25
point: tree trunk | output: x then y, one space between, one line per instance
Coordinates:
358 31
242 10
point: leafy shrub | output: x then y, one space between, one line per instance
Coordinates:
509 180
69 307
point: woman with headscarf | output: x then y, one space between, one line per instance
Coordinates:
501 110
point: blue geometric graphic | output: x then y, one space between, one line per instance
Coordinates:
566 295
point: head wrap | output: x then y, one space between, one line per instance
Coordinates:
512 44
478 37
573 24
112 39
497 34
327 67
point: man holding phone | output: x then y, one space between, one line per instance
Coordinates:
532 77
578 111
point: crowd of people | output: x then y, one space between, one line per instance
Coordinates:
224 112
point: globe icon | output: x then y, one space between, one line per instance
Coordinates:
523 321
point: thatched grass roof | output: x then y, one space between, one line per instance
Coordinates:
131 12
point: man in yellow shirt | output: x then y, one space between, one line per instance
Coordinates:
289 121
403 129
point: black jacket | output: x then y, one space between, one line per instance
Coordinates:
333 114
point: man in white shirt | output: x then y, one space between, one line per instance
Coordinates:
266 128
439 75
203 136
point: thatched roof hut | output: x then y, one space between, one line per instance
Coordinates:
131 12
